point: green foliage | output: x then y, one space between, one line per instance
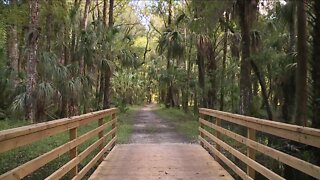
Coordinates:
171 42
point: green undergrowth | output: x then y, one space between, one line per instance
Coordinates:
186 123
14 158
8 124
125 121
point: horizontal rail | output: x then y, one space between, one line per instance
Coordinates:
305 135
17 137
229 163
258 167
300 134
93 161
21 131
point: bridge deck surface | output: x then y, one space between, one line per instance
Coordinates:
159 161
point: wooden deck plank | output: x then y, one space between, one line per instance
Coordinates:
159 161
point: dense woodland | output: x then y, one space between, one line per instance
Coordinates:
254 57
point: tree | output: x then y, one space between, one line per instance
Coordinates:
13 51
288 86
33 36
247 12
225 50
107 75
316 65
301 76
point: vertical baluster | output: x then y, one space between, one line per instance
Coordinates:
100 135
218 135
73 134
251 134
114 124
202 126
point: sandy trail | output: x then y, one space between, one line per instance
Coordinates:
149 128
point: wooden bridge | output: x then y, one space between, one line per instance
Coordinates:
163 161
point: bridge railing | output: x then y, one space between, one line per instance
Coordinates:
303 135
13 138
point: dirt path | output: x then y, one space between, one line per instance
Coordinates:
148 127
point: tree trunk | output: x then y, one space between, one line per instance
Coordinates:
212 67
104 18
288 86
316 66
169 97
100 94
83 27
225 49
235 53
108 74
13 51
170 13
263 88
48 26
32 60
247 10
316 74
201 78
84 22
301 78
188 61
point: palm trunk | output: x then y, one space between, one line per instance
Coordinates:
212 67
83 27
301 78
107 80
13 51
263 88
188 77
225 49
201 78
84 22
288 87
316 74
247 12
316 67
32 60
104 16
48 26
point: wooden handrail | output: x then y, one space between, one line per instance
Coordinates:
304 135
13 138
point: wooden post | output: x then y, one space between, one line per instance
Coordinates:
251 134
218 135
100 135
202 126
114 126
73 134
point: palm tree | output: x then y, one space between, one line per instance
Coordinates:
247 12
288 14
107 75
316 66
13 51
171 43
316 72
301 77
33 36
